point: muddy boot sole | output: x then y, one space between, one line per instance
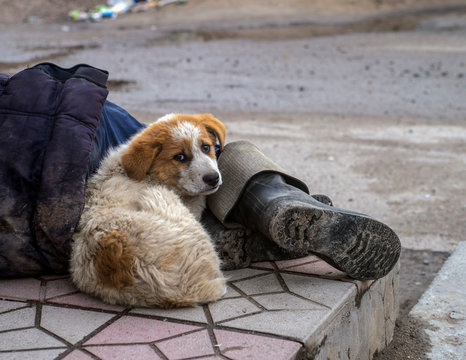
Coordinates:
358 245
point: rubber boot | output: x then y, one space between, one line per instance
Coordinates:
239 247
360 246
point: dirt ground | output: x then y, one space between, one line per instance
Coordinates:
418 270
205 20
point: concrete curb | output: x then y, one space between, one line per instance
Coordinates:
360 328
443 306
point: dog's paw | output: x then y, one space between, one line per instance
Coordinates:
202 293
211 290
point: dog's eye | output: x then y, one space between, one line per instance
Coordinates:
205 148
180 157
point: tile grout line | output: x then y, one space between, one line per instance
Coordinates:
210 330
84 308
167 318
158 351
79 345
88 353
296 265
287 289
239 317
42 290
38 317
59 338
267 272
258 333
177 336
279 278
26 305
16 329
247 297
315 276
269 293
33 349
63 295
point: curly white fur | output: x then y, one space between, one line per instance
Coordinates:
138 243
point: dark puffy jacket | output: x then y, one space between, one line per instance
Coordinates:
48 120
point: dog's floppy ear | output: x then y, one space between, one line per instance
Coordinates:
215 127
141 152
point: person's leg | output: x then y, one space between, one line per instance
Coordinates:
261 196
239 247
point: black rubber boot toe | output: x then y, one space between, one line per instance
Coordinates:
362 247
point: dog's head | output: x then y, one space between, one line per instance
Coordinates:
178 150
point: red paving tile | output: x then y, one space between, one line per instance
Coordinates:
77 355
124 352
85 301
284 264
241 346
6 305
187 346
320 268
131 329
24 289
263 265
143 337
59 287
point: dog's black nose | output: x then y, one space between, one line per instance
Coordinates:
211 179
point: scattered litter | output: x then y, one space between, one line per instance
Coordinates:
456 316
118 7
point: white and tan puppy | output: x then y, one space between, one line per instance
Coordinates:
139 240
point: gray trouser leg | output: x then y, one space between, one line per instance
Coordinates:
240 162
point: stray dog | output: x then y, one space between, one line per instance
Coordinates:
139 241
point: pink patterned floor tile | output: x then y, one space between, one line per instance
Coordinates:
24 289
72 324
53 277
59 287
187 346
320 268
28 339
263 265
131 329
124 352
17 319
32 354
230 293
11 305
260 285
77 355
85 301
284 264
241 346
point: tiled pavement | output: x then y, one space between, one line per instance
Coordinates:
269 312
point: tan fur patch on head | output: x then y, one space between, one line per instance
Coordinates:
153 150
142 150
114 262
